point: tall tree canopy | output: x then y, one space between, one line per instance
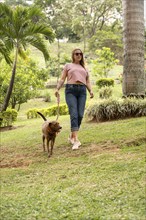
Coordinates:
83 18
20 27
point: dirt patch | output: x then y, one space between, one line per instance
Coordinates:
66 151
10 159
94 149
135 142
8 128
15 163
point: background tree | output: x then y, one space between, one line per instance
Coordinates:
29 75
133 72
60 20
22 27
104 62
108 38
83 18
52 65
94 15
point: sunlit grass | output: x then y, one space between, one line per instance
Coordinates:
104 179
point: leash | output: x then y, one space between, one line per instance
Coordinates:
58 101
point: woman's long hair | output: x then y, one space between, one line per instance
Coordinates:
82 62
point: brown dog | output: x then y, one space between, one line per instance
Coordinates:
49 130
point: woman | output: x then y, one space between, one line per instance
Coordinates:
75 92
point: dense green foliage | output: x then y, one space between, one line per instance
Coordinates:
8 117
24 27
110 38
47 112
81 18
104 62
20 27
116 109
28 80
105 82
55 64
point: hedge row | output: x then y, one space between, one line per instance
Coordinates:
8 117
116 109
47 112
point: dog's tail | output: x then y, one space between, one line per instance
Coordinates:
42 116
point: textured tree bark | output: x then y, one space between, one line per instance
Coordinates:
133 38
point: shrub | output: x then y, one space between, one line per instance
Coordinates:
32 113
47 112
8 117
104 82
114 109
105 92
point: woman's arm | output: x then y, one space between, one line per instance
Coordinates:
88 85
61 82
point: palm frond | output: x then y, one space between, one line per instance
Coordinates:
21 52
22 26
5 10
5 52
39 43
35 12
40 29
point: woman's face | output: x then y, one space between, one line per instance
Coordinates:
77 55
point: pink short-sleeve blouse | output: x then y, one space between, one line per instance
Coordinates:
75 73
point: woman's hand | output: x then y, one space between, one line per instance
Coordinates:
91 94
57 95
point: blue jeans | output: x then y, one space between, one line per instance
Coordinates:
75 95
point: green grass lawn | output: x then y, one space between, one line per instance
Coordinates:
103 180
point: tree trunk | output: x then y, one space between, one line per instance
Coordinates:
133 37
13 103
10 88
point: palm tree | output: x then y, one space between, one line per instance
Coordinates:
133 36
20 27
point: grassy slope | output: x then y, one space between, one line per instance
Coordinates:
103 180
65 48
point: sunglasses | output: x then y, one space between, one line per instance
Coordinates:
77 54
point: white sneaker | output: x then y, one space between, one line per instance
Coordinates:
71 140
76 145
